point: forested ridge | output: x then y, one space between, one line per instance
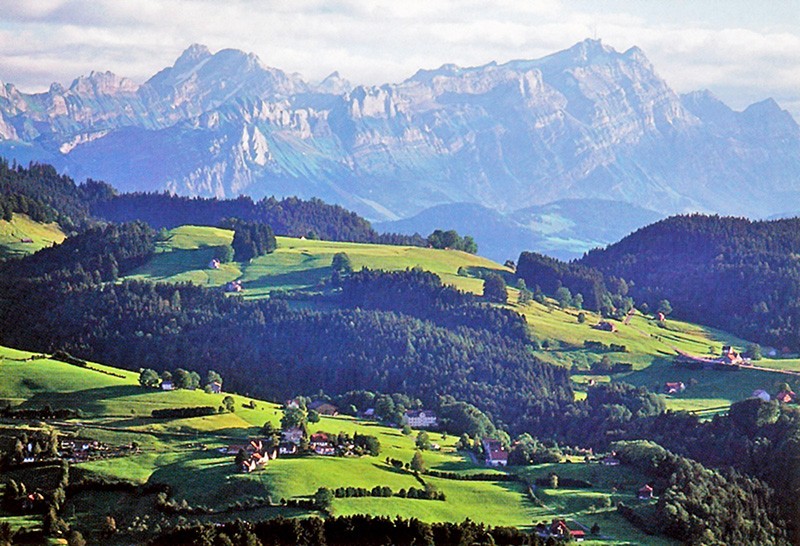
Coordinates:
698 505
46 196
421 294
61 299
290 216
732 273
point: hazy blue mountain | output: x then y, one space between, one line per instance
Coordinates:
564 229
585 123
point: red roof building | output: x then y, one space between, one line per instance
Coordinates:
785 397
496 454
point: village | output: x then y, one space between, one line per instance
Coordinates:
296 440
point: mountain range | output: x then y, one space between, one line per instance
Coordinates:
587 123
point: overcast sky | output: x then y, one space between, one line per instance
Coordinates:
743 51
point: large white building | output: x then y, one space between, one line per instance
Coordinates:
420 419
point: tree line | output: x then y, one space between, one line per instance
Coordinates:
344 531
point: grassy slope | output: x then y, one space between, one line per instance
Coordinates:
297 263
116 410
300 263
651 349
22 227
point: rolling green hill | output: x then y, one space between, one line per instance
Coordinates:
183 454
22 236
297 263
303 264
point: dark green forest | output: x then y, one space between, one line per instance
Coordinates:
345 531
736 274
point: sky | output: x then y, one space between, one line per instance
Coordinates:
742 51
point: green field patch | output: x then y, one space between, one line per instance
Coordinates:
22 236
195 237
297 263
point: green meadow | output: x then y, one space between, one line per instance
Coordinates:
22 236
183 453
297 263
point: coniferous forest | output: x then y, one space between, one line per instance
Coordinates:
736 274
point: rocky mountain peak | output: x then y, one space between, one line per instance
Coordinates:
706 106
334 84
193 54
769 120
101 83
587 52
587 122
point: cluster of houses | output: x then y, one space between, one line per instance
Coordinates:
559 530
784 396
78 450
256 454
252 456
729 358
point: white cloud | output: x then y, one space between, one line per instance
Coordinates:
385 40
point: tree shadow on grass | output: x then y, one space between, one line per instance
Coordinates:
175 262
206 477
303 278
460 466
90 401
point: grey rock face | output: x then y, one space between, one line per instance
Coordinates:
585 123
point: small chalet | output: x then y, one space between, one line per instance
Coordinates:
292 404
216 387
605 326
676 387
214 264
496 455
167 386
762 394
26 240
786 397
560 529
646 492
730 355
661 317
292 436
287 448
610 460
257 461
324 408
234 286
369 413
319 439
321 444
420 419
